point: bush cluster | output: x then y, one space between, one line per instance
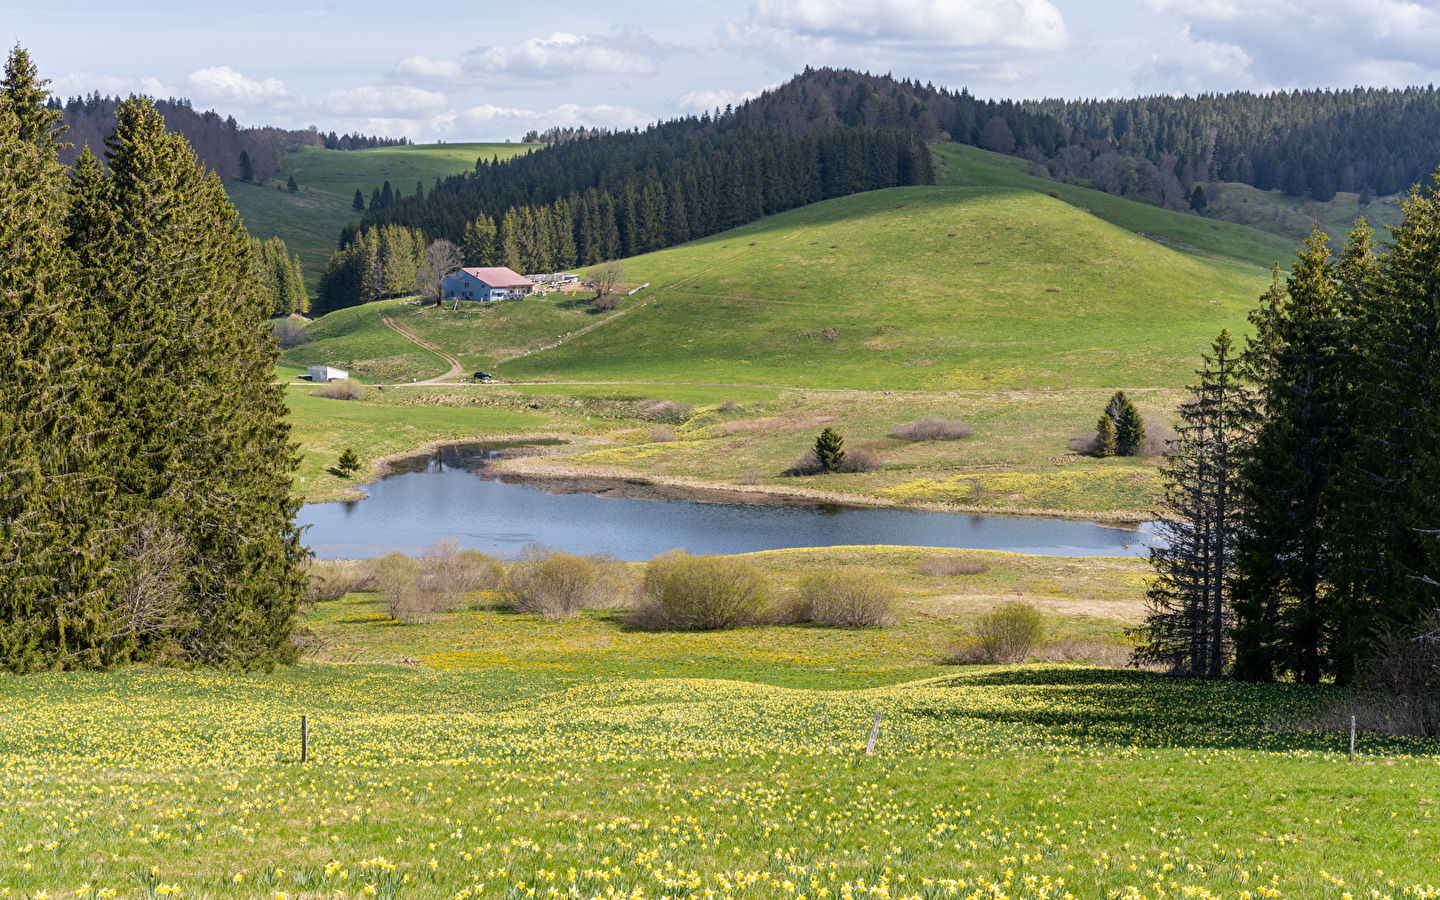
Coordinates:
347 389
952 565
847 599
669 412
558 585
686 592
932 428
1005 635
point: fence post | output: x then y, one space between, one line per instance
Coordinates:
1352 739
304 738
874 733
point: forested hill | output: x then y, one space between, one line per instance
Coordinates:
713 171
1316 141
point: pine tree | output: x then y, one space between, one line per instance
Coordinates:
247 171
196 442
1105 436
479 245
291 186
375 200
1188 614
829 450
419 190
1197 198
358 204
387 196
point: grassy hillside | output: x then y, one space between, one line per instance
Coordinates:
915 288
964 165
1293 217
309 221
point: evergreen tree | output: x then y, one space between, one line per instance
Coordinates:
196 444
1284 623
419 190
358 204
1197 198
348 462
291 186
829 450
1105 436
247 171
479 245
387 197
375 200
52 537
1188 614
1129 425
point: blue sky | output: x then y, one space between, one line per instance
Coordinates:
489 70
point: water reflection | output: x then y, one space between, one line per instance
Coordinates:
442 494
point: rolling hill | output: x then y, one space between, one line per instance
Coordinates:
310 220
925 287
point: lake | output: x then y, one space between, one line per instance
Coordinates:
441 494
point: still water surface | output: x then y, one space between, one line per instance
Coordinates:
436 496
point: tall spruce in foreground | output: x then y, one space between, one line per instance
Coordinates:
49 566
196 441
1188 618
1392 499
1297 360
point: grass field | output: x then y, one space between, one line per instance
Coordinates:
492 755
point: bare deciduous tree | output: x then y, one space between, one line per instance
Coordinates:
151 597
603 279
441 258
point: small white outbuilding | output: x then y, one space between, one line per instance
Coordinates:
325 373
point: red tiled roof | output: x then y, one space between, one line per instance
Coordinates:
499 277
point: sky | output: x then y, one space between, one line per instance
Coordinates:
491 71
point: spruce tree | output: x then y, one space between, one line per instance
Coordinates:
387 196
375 200
358 204
52 535
1285 625
1129 425
291 186
348 462
1105 436
1188 613
1197 198
247 171
829 450
419 190
196 442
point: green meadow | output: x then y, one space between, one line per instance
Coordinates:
489 754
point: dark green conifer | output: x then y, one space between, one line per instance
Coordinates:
1105 436
387 196
291 186
375 200
829 450
1129 425
358 204
1197 198
247 170
348 462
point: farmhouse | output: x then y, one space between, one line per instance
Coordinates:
497 283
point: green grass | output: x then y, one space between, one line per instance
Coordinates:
964 165
325 428
490 754
358 341
1294 217
924 288
309 221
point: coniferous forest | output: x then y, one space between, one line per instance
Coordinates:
145 508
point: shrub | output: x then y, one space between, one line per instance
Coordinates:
849 599
552 583
453 572
932 428
290 333
861 461
348 462
331 579
670 412
750 476
1009 632
952 565
727 406
661 435
346 389
700 592
965 651
406 600
806 463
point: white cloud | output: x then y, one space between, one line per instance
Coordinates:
1179 64
225 84
380 102
1005 37
488 121
85 82
1309 43
540 62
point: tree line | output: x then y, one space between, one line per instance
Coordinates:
145 461
1306 488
